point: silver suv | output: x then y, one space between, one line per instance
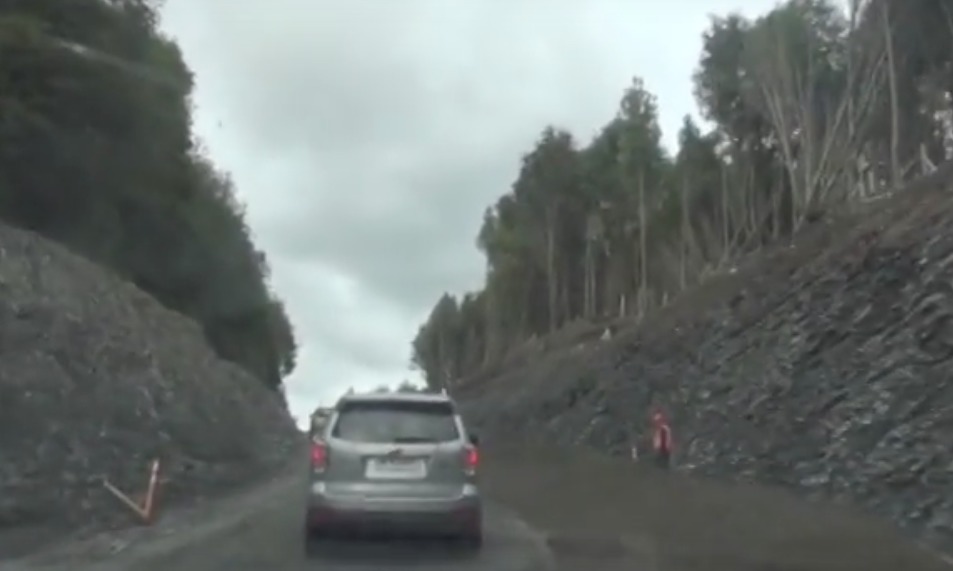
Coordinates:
395 461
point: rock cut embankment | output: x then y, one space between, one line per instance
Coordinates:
97 379
826 367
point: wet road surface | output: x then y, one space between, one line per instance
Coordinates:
263 532
548 511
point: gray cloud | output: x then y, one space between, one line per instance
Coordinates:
367 137
414 236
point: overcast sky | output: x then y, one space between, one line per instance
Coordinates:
367 136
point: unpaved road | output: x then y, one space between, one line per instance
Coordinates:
262 531
611 514
563 511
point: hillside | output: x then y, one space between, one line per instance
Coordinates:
97 153
810 110
778 279
821 367
97 379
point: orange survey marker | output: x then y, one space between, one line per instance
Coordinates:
147 510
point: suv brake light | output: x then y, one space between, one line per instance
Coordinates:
471 459
319 456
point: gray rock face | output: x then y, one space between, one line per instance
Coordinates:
97 379
828 370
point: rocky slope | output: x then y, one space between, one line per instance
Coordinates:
96 380
824 366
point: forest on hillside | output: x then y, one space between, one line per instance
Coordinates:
813 107
97 153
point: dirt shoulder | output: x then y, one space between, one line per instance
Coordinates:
619 514
98 380
201 521
261 529
594 512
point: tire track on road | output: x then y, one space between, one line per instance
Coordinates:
647 520
565 510
263 531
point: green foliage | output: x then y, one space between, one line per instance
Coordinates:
801 118
96 152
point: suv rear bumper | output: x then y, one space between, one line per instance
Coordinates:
456 515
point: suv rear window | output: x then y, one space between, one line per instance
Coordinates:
393 421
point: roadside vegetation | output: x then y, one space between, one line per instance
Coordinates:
97 153
814 109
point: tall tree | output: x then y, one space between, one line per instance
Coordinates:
545 185
804 120
96 152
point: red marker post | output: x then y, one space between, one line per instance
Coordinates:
147 510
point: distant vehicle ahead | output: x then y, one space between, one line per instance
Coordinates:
319 421
395 461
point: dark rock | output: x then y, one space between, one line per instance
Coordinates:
97 379
831 374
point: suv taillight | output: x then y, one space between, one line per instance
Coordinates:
471 459
319 456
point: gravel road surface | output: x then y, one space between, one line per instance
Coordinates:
550 510
262 531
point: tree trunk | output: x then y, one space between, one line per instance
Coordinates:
895 172
552 278
686 230
588 289
643 246
614 282
565 303
725 218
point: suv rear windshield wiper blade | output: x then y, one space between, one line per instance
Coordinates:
412 439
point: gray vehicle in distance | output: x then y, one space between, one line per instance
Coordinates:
400 462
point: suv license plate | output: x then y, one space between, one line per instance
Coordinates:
381 469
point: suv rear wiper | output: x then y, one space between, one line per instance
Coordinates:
412 440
